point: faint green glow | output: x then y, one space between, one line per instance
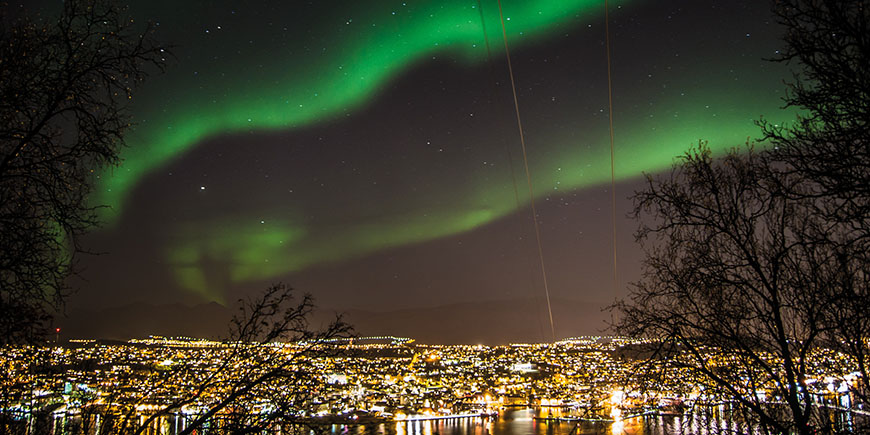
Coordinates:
243 249
328 85
241 252
647 146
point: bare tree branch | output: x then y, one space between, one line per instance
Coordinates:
64 90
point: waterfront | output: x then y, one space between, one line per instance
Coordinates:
517 421
529 422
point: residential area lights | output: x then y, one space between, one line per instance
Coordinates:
385 378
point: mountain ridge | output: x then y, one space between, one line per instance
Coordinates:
485 322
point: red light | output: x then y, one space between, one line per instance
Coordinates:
56 329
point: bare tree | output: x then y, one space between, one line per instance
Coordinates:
827 43
64 88
739 291
826 152
755 280
266 372
262 379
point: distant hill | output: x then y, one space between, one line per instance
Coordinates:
139 320
492 322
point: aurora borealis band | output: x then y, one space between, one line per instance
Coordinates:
325 144
320 85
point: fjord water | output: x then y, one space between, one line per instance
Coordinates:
523 422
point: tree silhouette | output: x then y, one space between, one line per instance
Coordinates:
261 379
64 88
755 279
826 152
828 145
734 287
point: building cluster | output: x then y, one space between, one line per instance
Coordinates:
377 377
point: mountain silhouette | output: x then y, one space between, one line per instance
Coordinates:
489 322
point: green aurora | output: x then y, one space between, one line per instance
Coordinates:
328 85
255 251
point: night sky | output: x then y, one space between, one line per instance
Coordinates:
368 152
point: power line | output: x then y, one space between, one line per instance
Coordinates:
496 98
612 160
528 176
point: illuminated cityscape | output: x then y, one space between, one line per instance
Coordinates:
371 380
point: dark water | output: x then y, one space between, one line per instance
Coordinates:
523 422
511 422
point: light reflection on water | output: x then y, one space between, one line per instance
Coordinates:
522 422
510 422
